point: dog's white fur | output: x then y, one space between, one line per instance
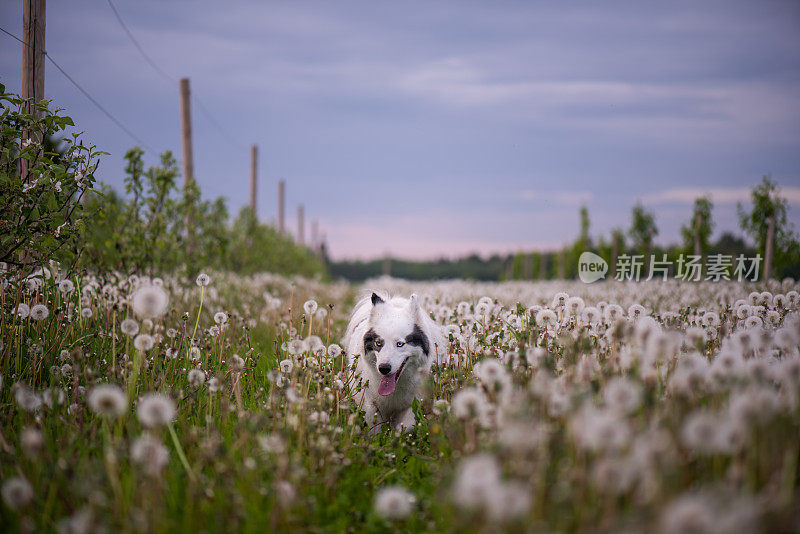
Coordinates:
393 320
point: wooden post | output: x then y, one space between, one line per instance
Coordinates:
314 235
281 206
768 248
300 229
698 223
253 179
33 38
188 160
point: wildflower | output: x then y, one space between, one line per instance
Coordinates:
477 478
492 375
143 342
701 432
150 454
394 502
203 280
220 317
213 384
196 378
129 327
156 409
22 310
17 492
86 313
468 403
171 333
107 400
546 318
334 350
150 301
286 366
66 286
590 315
271 443
31 441
574 306
310 306
39 312
194 353
622 395
27 399
296 346
612 313
236 363
560 299
26 142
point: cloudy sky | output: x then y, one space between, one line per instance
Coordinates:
423 129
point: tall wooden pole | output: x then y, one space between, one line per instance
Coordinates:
188 160
300 228
253 179
281 206
314 235
33 32
768 248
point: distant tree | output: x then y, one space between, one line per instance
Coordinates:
768 207
697 233
643 229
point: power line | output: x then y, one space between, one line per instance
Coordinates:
87 95
202 107
138 46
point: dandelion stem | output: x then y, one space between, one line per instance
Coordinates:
179 450
200 309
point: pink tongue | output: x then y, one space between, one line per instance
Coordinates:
388 382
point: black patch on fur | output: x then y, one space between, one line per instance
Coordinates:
376 299
417 337
370 339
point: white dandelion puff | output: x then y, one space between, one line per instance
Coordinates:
150 301
394 502
39 312
107 400
156 409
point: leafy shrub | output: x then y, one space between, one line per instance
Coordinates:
42 216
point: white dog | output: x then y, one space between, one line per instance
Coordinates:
395 343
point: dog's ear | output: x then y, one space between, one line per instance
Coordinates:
376 299
414 306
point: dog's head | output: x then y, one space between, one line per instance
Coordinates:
395 342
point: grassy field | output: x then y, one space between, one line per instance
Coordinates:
222 405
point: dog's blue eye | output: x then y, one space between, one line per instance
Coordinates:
400 343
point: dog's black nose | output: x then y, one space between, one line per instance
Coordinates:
384 368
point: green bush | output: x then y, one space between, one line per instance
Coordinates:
145 231
41 189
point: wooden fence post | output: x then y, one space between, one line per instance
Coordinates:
33 38
281 206
253 179
188 161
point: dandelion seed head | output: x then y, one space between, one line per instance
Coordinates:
156 409
107 400
39 312
196 378
394 502
150 454
150 301
17 492
143 342
129 327
203 280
